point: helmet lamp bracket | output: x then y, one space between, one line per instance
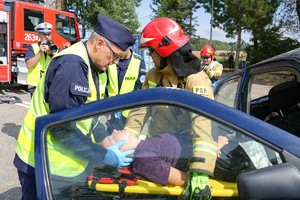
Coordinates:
165 41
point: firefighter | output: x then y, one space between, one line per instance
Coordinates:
38 56
212 67
75 76
127 76
177 67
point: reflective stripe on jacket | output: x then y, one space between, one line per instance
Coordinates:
62 163
35 73
129 79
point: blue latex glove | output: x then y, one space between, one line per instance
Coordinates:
117 158
198 187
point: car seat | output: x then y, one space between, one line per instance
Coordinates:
284 102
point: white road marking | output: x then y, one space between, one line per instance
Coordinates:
23 104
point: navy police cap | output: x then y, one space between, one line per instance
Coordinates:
114 31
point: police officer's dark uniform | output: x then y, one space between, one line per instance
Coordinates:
71 79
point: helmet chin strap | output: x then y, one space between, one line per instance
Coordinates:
163 63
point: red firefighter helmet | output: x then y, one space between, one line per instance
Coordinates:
164 35
207 50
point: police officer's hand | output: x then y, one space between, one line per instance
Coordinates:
44 47
198 187
117 158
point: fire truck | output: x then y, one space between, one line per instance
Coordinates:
17 22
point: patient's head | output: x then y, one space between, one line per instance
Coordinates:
131 140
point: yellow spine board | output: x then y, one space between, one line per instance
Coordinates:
218 188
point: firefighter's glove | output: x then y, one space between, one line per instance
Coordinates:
117 158
198 188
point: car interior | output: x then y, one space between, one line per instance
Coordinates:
284 102
281 107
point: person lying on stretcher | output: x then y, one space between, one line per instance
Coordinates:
156 157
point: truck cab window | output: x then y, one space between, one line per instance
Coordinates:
32 18
65 26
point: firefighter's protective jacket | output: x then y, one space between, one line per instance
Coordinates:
214 70
35 73
61 163
166 119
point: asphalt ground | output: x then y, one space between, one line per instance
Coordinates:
11 119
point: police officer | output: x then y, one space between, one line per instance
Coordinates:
210 65
177 67
38 56
75 76
127 76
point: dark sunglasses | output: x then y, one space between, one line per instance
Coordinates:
115 55
205 57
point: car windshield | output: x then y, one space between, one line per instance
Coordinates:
76 171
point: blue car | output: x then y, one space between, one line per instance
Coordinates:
259 160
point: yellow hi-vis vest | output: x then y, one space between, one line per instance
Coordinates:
129 79
35 73
62 163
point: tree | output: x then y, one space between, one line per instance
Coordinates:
122 11
288 17
180 10
270 43
235 16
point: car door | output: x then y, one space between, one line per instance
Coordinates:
248 89
250 145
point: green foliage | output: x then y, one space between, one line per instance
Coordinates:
122 11
180 10
270 43
198 43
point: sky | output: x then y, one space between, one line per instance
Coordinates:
203 30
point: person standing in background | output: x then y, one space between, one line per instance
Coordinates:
243 60
231 60
38 56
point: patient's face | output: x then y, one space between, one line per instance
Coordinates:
117 136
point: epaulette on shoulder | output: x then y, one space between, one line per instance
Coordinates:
137 56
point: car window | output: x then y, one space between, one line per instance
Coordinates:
227 93
76 171
262 83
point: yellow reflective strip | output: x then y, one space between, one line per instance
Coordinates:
132 130
203 143
30 121
205 150
205 147
26 142
152 84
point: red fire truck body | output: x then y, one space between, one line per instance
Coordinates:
17 22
